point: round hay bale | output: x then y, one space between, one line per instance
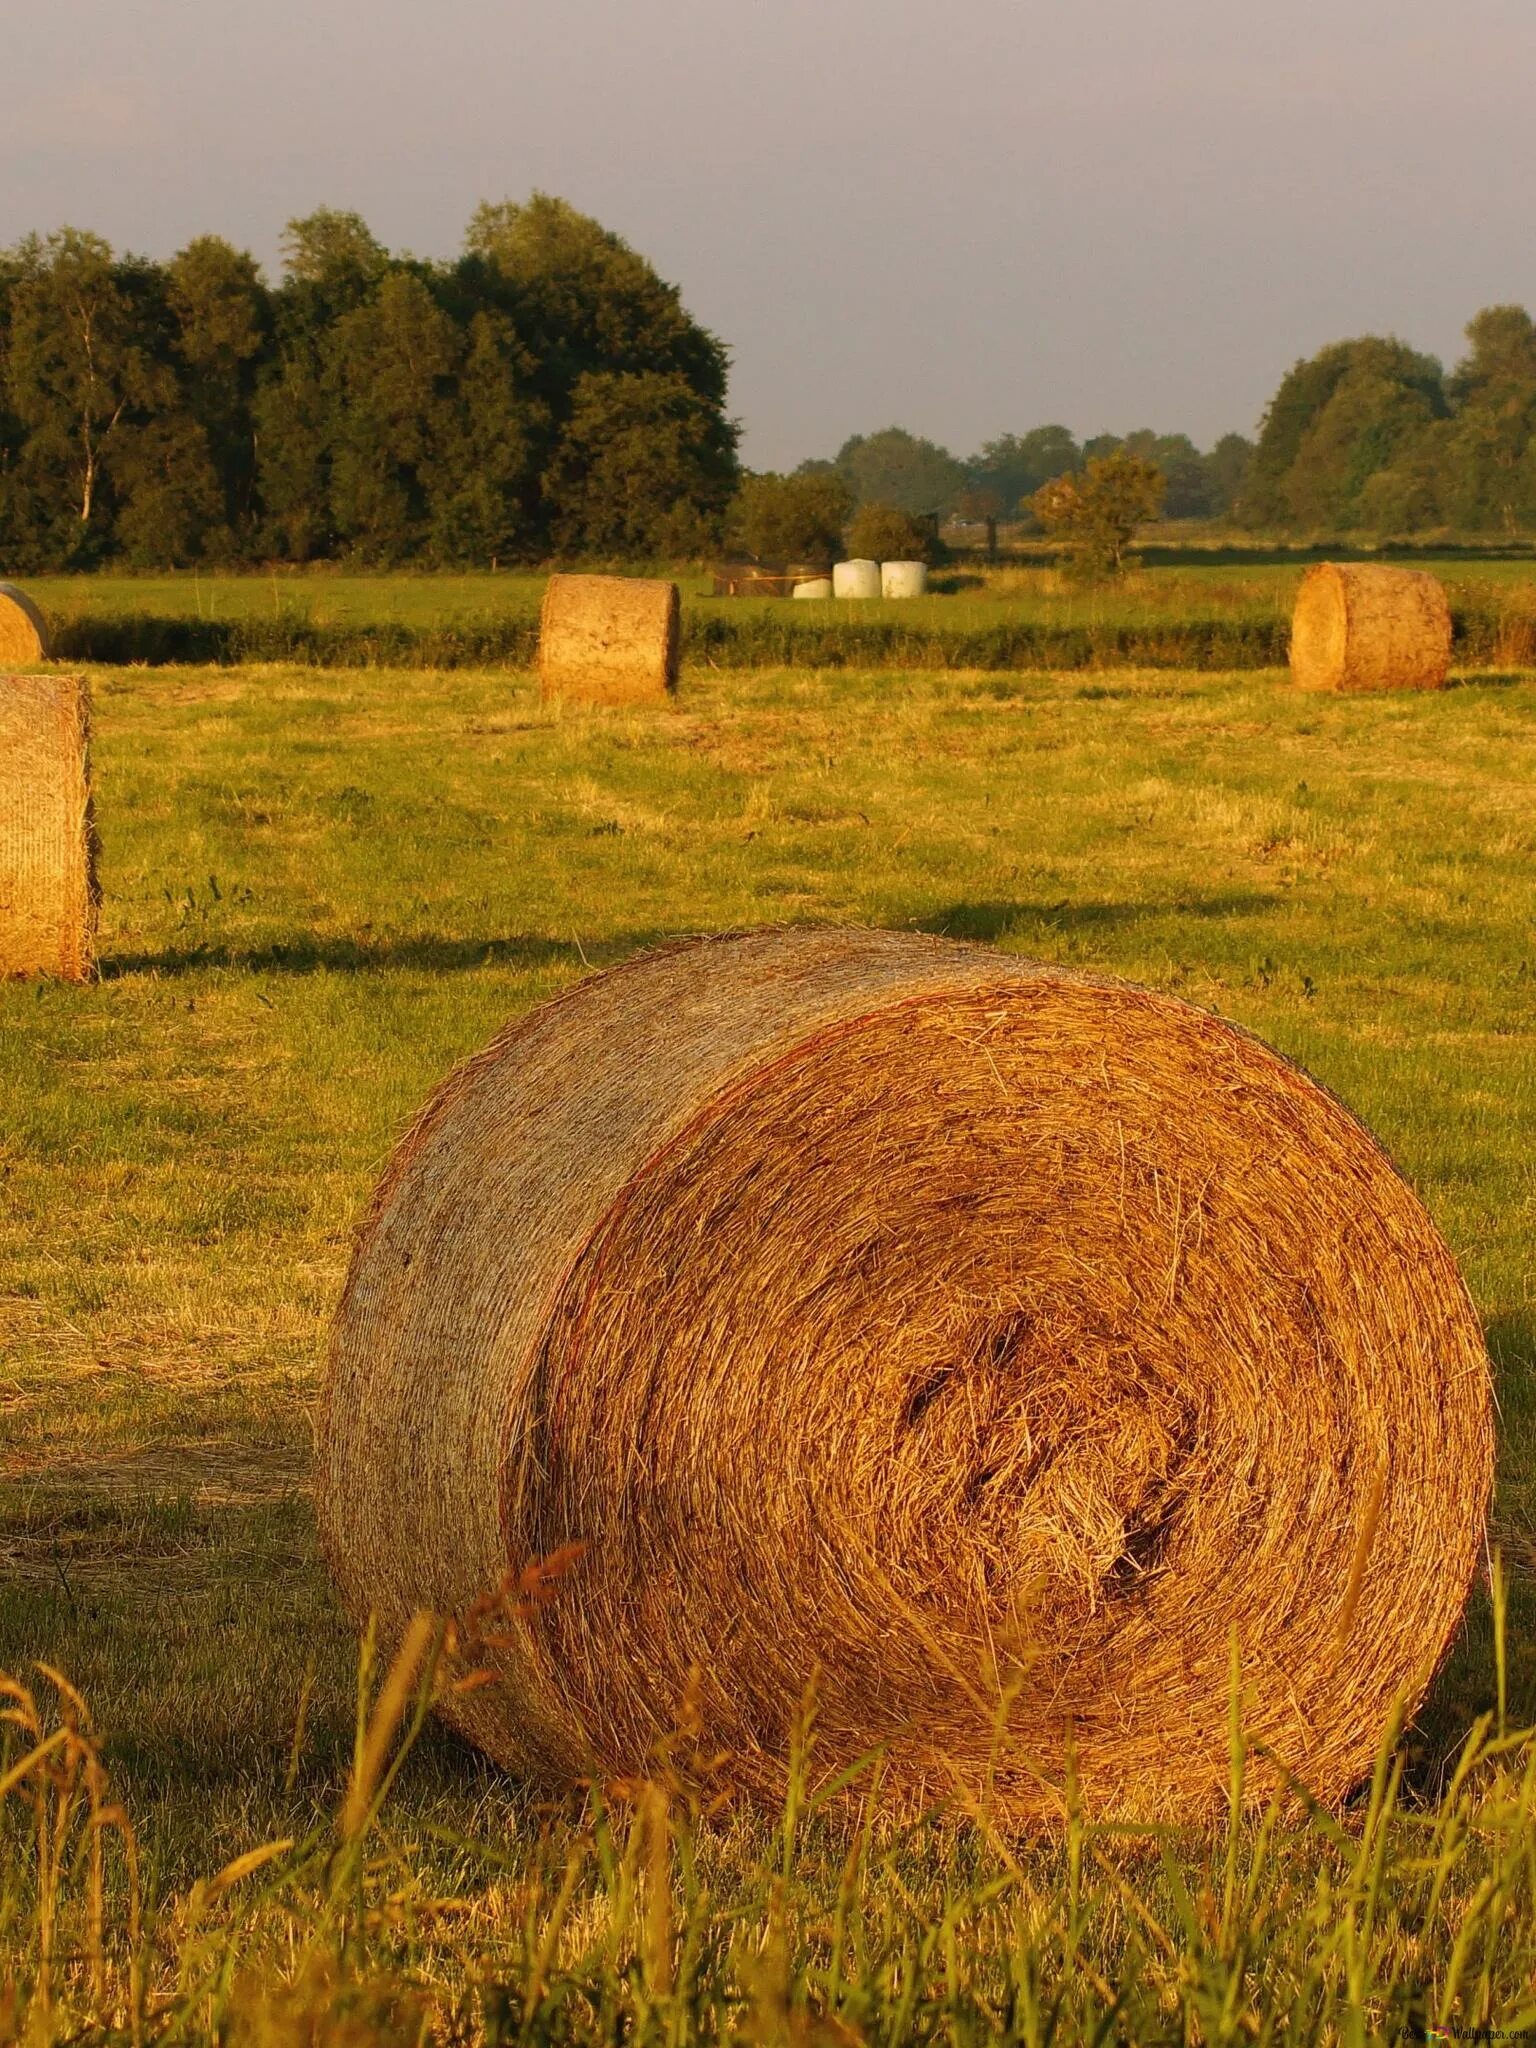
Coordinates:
49 897
23 629
1362 626
815 588
608 639
981 1342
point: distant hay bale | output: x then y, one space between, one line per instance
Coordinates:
608 639
47 844
859 579
816 588
945 1327
903 579
23 629
1363 626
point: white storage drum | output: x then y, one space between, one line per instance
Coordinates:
856 579
903 579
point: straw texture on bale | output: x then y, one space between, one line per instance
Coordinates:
608 639
986 1341
1363 626
47 842
23 630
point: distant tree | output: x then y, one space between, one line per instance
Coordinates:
1307 472
790 518
645 466
332 266
1096 513
886 533
1480 463
981 506
483 485
222 317
896 468
584 302
392 364
1370 420
334 257
1227 467
1016 465
81 370
171 502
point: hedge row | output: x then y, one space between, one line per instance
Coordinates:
748 639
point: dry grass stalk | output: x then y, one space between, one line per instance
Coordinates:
608 639
932 1323
1362 626
48 896
23 630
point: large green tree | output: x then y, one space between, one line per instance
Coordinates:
896 468
84 365
645 466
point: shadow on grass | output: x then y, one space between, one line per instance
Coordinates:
1490 679
987 922
430 952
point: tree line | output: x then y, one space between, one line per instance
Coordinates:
1371 437
547 393
544 393
1367 438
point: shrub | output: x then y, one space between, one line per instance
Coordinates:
882 533
790 518
1096 512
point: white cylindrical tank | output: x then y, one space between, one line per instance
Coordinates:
856 579
903 579
814 586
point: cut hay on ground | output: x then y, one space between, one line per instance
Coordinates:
1360 626
608 639
954 1327
23 630
47 846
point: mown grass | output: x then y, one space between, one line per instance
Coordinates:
322 888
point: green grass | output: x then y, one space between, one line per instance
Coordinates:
323 888
1175 614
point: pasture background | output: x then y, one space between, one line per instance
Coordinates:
322 888
1187 608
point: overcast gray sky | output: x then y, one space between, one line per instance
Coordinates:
962 219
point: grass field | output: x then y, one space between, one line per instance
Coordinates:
1182 610
323 888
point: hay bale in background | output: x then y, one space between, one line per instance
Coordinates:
1362 626
859 579
23 629
936 1320
903 579
47 845
608 639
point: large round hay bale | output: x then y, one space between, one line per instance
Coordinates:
23 629
1362 626
608 639
48 896
985 1343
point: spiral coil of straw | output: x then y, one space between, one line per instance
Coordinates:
988 1342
